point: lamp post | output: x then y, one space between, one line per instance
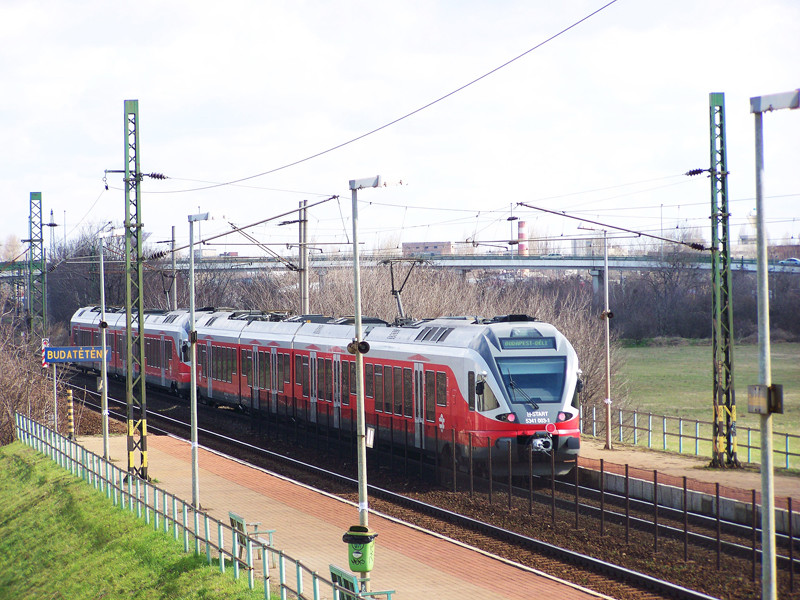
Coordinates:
606 316
193 360
360 348
103 326
769 581
363 508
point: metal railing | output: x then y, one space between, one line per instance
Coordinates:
686 436
169 514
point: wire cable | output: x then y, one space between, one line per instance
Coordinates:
399 119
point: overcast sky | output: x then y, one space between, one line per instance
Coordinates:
600 122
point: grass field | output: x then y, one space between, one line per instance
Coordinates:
61 539
676 381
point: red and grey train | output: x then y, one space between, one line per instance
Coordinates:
476 382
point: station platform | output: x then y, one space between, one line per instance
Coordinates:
309 525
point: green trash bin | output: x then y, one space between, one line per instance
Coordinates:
360 548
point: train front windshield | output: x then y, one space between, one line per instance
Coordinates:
533 380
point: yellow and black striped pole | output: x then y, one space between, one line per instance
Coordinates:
70 417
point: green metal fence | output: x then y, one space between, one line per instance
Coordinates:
171 515
686 436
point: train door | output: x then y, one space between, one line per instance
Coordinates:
123 353
252 378
162 359
210 369
419 405
337 386
312 391
274 382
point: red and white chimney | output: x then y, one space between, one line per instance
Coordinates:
522 238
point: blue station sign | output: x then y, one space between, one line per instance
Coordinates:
54 354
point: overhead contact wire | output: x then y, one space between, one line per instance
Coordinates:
406 116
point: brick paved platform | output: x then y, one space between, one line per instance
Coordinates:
417 564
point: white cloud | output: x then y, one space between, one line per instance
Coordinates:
227 91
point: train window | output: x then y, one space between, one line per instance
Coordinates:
488 401
441 389
328 379
368 380
533 379
398 391
378 388
298 370
234 358
201 350
471 390
387 390
247 366
320 377
345 382
306 377
430 395
267 370
167 353
263 365
287 368
353 378
407 390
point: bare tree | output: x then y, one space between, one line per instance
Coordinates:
23 382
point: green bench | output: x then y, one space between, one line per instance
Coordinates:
241 533
347 586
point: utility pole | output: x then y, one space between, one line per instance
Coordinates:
52 224
724 398
134 297
174 288
304 271
37 270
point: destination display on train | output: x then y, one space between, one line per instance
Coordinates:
528 343
53 354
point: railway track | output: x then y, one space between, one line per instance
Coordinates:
453 515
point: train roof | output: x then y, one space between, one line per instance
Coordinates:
253 326
462 332
166 320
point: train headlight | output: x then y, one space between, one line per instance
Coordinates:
562 416
508 417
